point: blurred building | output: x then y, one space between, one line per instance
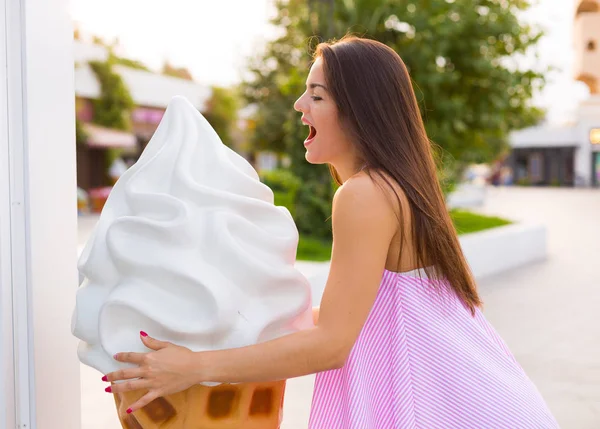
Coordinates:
151 93
567 155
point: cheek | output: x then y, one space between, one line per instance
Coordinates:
335 136
326 121
329 146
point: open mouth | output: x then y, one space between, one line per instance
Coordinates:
311 134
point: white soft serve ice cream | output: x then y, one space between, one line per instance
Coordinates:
189 248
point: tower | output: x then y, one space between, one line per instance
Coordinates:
587 44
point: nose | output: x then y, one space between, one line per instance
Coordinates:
299 105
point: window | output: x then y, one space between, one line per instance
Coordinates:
536 167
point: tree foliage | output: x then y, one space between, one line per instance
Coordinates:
222 112
133 64
113 108
277 79
81 135
461 55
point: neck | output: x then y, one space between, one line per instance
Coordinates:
348 169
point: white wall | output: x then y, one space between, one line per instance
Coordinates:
544 136
38 216
7 378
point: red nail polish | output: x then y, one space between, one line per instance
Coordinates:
105 378
108 389
129 410
143 334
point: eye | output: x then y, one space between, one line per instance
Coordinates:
315 98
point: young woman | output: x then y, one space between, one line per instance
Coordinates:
399 341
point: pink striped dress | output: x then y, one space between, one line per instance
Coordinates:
422 361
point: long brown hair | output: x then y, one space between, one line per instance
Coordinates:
377 105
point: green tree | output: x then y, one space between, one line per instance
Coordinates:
222 112
81 135
128 62
461 55
277 79
113 108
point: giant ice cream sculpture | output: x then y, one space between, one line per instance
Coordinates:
190 248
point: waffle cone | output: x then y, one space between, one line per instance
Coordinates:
227 406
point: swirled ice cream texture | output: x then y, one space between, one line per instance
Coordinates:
190 248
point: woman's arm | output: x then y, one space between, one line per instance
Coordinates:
301 353
363 226
315 312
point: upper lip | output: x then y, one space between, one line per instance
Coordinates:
304 121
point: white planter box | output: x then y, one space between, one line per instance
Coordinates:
504 248
467 195
488 252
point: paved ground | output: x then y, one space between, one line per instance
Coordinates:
547 312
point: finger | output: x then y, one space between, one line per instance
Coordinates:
128 386
130 357
142 402
153 343
124 374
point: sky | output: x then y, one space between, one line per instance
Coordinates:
213 39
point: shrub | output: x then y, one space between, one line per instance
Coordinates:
313 210
313 249
284 186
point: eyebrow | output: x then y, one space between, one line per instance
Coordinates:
314 85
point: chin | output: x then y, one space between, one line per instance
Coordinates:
314 159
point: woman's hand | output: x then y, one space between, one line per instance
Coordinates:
166 370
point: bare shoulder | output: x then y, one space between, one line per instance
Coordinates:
364 227
360 191
363 200
377 191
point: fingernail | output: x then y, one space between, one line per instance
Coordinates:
143 334
115 356
108 389
129 410
105 378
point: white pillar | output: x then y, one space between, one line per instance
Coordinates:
39 370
